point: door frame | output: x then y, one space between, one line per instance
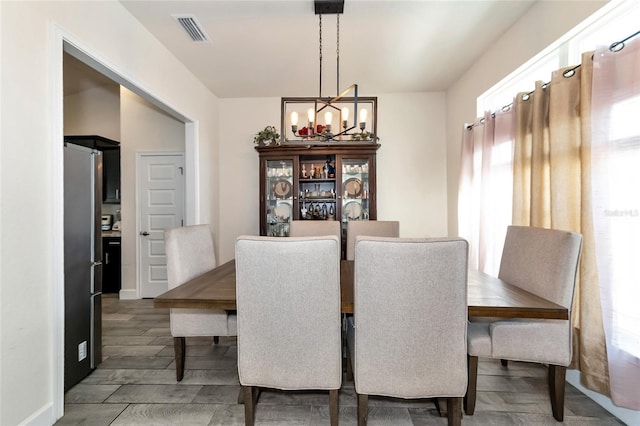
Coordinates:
61 41
139 156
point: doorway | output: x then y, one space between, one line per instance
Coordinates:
61 43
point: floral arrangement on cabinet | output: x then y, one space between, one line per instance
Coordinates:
267 136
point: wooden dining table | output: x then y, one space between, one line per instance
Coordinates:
487 296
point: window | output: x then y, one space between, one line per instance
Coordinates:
614 22
623 229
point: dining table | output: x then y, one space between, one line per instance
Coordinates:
487 296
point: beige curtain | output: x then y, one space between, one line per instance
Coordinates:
551 189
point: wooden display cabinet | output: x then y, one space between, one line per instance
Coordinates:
316 182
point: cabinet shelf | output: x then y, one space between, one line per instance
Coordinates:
308 180
317 200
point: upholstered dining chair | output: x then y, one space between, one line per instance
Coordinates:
371 228
412 295
543 262
289 325
314 228
190 253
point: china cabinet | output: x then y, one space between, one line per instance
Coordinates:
316 182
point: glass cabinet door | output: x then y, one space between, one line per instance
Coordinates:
278 197
355 189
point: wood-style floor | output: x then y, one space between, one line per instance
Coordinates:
136 385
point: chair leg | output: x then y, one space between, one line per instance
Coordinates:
349 367
363 403
333 406
441 406
179 347
557 377
470 397
454 411
249 406
504 362
216 339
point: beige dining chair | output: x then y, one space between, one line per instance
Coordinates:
190 253
289 326
410 294
314 228
543 262
371 228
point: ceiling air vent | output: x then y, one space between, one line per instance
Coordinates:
192 27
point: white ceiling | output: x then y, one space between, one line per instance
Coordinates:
270 47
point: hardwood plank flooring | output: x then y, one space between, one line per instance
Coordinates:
136 385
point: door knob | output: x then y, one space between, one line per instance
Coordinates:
144 233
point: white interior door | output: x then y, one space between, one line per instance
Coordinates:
161 205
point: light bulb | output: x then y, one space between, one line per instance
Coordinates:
310 115
363 115
294 118
345 114
327 117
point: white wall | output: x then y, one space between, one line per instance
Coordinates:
239 212
543 24
144 128
95 111
411 164
31 172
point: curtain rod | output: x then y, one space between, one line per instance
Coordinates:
619 45
613 47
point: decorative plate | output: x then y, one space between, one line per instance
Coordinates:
282 211
353 187
282 188
353 210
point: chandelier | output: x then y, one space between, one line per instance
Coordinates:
343 117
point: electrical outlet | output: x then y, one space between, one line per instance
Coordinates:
82 350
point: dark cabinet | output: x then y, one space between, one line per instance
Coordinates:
111 176
111 265
110 163
322 182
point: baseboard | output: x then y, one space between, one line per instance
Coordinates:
128 294
44 416
630 417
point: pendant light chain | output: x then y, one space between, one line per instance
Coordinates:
338 54
320 33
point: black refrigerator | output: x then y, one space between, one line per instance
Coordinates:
82 262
